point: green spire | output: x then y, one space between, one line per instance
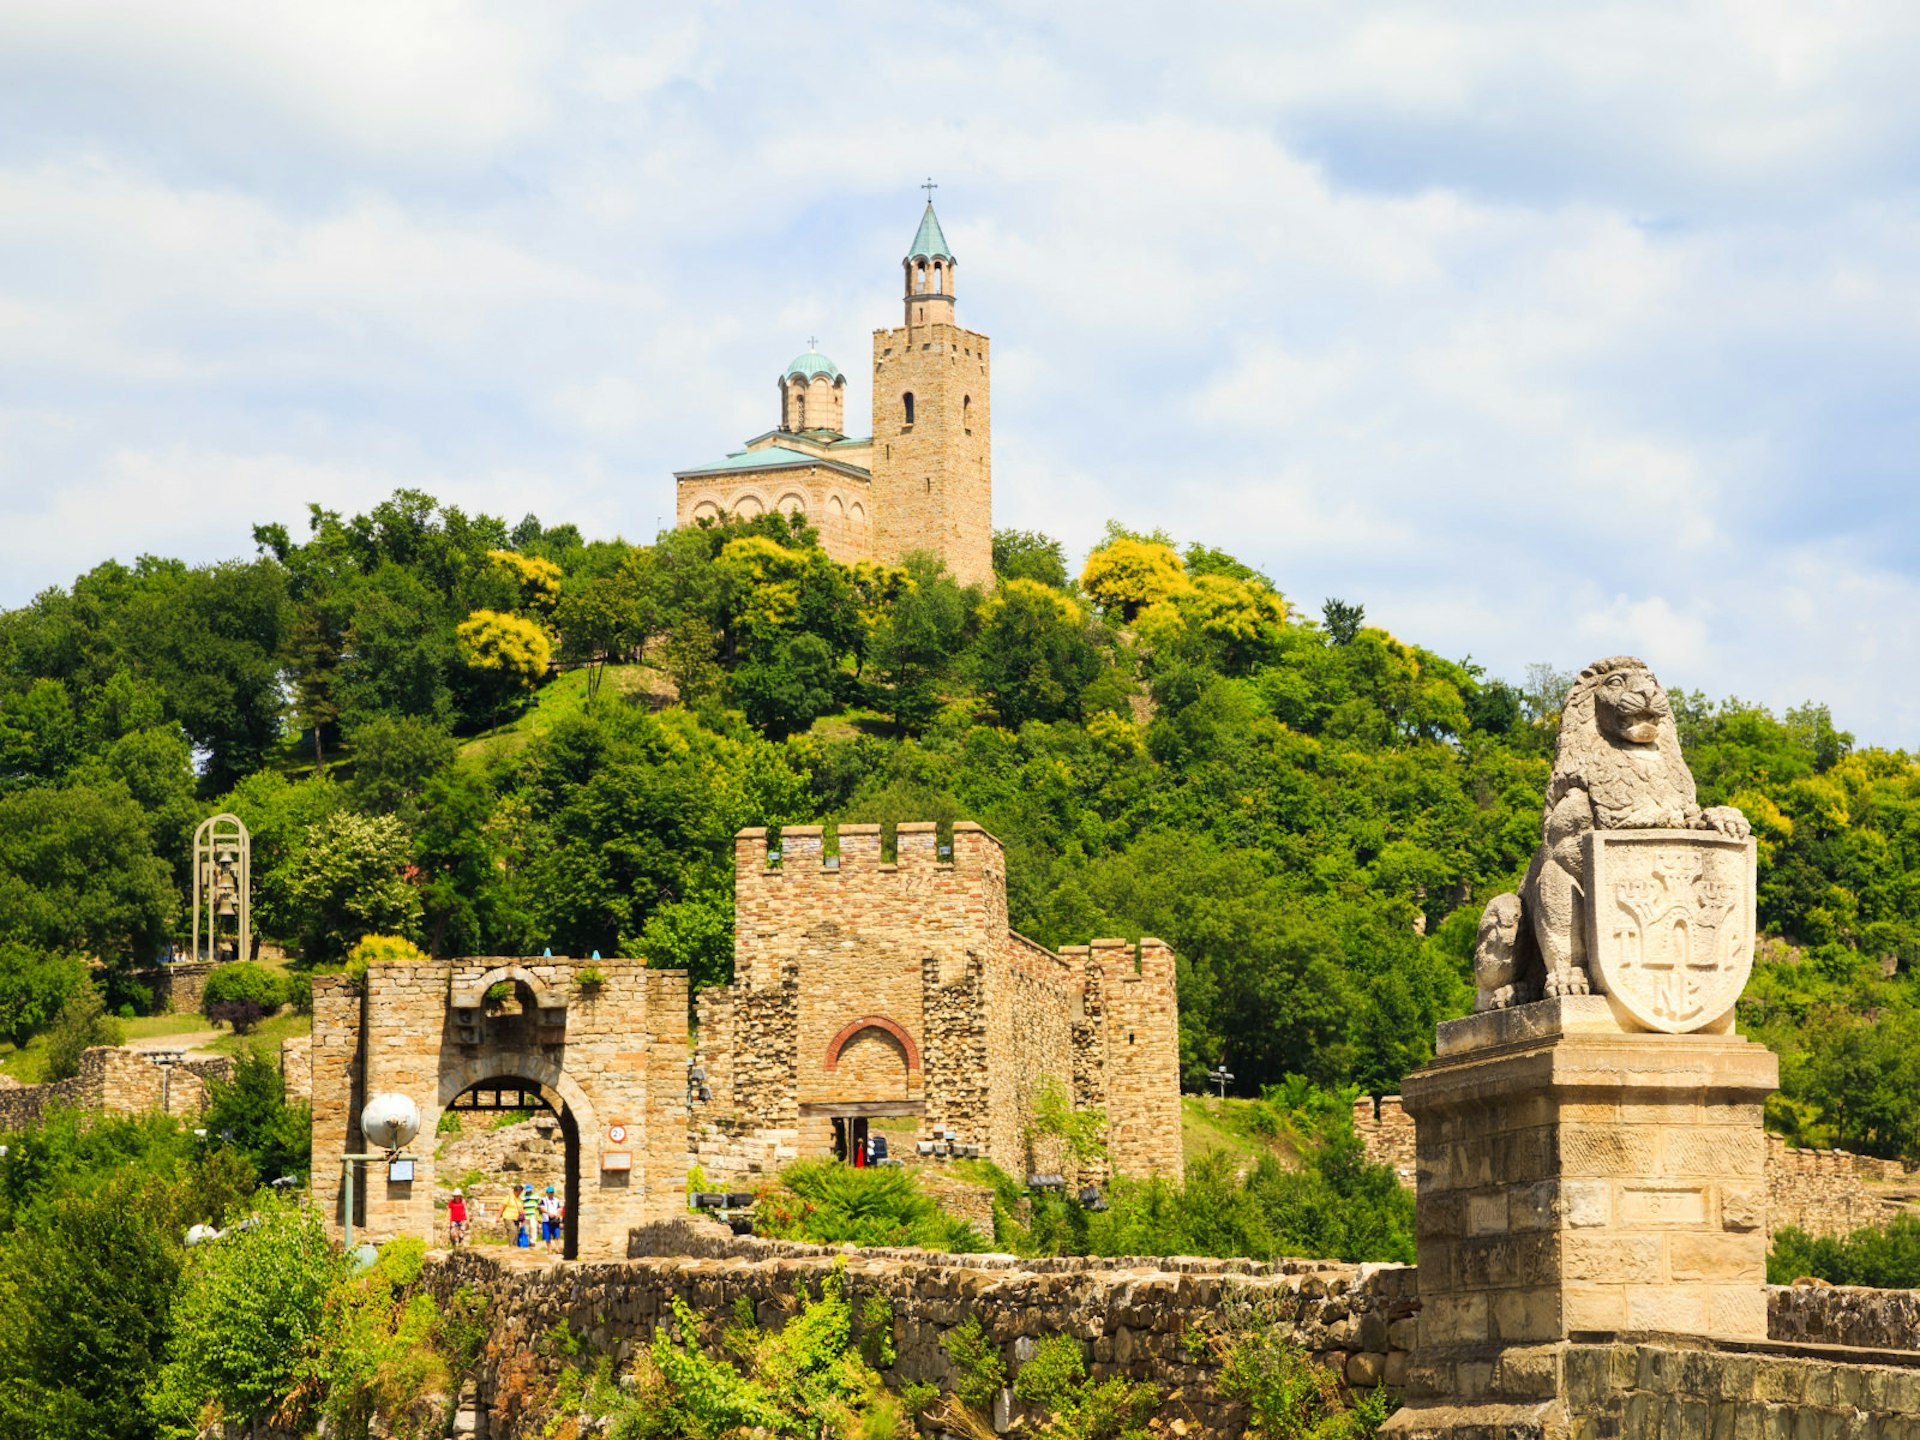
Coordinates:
928 242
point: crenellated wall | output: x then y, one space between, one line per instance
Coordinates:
874 989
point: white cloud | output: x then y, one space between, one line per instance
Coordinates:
1533 329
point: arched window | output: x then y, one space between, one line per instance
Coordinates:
906 404
799 412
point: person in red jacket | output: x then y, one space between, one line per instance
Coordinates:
457 1219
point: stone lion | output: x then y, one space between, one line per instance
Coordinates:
1617 767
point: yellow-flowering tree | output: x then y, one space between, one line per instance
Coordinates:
1127 574
511 650
537 577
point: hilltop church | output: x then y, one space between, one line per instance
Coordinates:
922 481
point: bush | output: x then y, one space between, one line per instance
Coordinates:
34 986
242 994
252 1109
81 1024
381 950
830 1203
1882 1257
246 1311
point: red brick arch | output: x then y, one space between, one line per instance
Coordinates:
872 1022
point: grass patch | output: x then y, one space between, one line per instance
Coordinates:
154 1027
1243 1130
268 1033
566 695
25 1063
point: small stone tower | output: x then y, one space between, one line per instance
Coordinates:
813 396
932 427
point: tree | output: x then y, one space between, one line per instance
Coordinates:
82 1024
348 882
512 652
35 985
251 1107
916 639
1343 621
1127 574
535 577
247 1311
88 1277
394 758
1029 555
1034 656
78 874
599 620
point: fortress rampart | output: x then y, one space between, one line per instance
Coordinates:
878 986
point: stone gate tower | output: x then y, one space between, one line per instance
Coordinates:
922 481
932 421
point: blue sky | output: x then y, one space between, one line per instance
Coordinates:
1545 332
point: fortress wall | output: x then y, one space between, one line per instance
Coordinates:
1133 1316
117 1081
1822 1192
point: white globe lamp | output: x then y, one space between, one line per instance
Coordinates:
390 1121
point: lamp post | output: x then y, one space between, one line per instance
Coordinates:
1222 1077
389 1117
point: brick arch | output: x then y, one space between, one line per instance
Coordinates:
872 1022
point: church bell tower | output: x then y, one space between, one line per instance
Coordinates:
932 431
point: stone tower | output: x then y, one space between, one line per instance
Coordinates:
932 425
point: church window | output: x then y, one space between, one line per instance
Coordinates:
906 405
799 412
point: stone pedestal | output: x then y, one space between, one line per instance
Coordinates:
1578 1177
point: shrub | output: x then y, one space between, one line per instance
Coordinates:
252 1108
242 994
982 1369
246 1310
1056 1380
81 1024
1882 1257
381 950
840 1205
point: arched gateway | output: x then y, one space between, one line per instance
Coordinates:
601 1044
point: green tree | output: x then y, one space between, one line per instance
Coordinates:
82 1024
251 1106
511 652
348 882
78 874
916 639
35 985
1029 555
1034 655
394 758
242 1319
87 1281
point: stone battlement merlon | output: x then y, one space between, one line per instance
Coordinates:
825 850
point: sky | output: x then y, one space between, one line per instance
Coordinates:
1545 332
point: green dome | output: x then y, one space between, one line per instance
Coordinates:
811 364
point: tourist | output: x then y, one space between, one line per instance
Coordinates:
550 1210
509 1217
529 1216
457 1219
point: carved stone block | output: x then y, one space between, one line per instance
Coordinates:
1670 923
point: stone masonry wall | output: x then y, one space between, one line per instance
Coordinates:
1844 1315
608 1055
1822 1192
1132 1315
933 478
118 1081
178 989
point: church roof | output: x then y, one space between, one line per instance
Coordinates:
771 457
929 242
810 364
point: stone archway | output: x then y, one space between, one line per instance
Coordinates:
573 1113
605 1039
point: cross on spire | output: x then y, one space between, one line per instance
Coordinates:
812 343
929 187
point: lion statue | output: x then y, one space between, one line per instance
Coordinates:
1617 767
